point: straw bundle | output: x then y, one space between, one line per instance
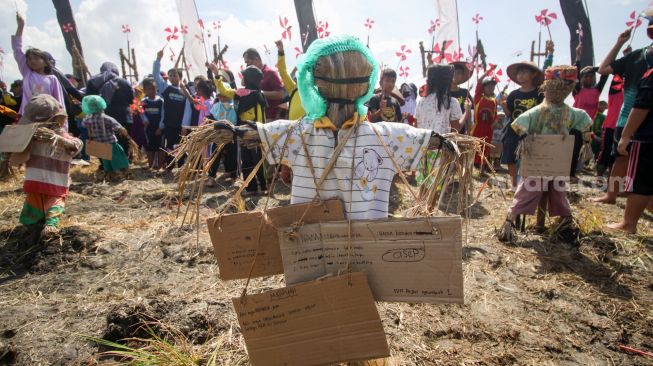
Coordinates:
194 149
450 168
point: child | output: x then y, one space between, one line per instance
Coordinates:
47 169
438 111
36 69
409 92
485 112
224 110
615 101
529 78
152 117
552 117
251 107
384 106
175 105
102 128
597 127
639 129
461 74
295 110
202 104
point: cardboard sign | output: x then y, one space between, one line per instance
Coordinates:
547 156
99 149
15 138
405 260
316 323
234 237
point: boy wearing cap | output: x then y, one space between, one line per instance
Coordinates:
47 167
552 117
529 77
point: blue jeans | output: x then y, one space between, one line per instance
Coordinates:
83 135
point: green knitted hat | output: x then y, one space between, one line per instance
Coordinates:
92 104
313 102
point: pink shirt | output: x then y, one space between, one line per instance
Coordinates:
615 101
587 99
33 82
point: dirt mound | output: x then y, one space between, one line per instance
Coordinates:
197 321
24 251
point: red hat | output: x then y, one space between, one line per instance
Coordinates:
569 73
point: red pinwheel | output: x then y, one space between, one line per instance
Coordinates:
136 107
635 20
298 52
545 18
283 22
323 29
369 23
457 55
67 27
403 71
477 18
172 33
403 53
199 104
494 72
126 29
441 54
434 25
184 29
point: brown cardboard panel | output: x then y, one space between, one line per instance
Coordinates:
315 323
547 156
99 149
405 260
235 237
15 138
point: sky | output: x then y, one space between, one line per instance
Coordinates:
507 29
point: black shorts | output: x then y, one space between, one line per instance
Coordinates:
153 141
615 143
172 136
510 143
639 179
605 157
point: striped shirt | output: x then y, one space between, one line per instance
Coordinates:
373 170
47 168
97 132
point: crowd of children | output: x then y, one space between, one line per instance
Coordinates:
163 108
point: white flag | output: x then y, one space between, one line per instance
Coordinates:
194 50
448 30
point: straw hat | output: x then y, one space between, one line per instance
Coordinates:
512 72
466 67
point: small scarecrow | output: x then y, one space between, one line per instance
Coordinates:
552 117
333 151
47 161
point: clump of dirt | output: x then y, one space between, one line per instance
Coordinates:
197 321
24 251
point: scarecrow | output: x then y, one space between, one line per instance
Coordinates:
552 117
333 151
